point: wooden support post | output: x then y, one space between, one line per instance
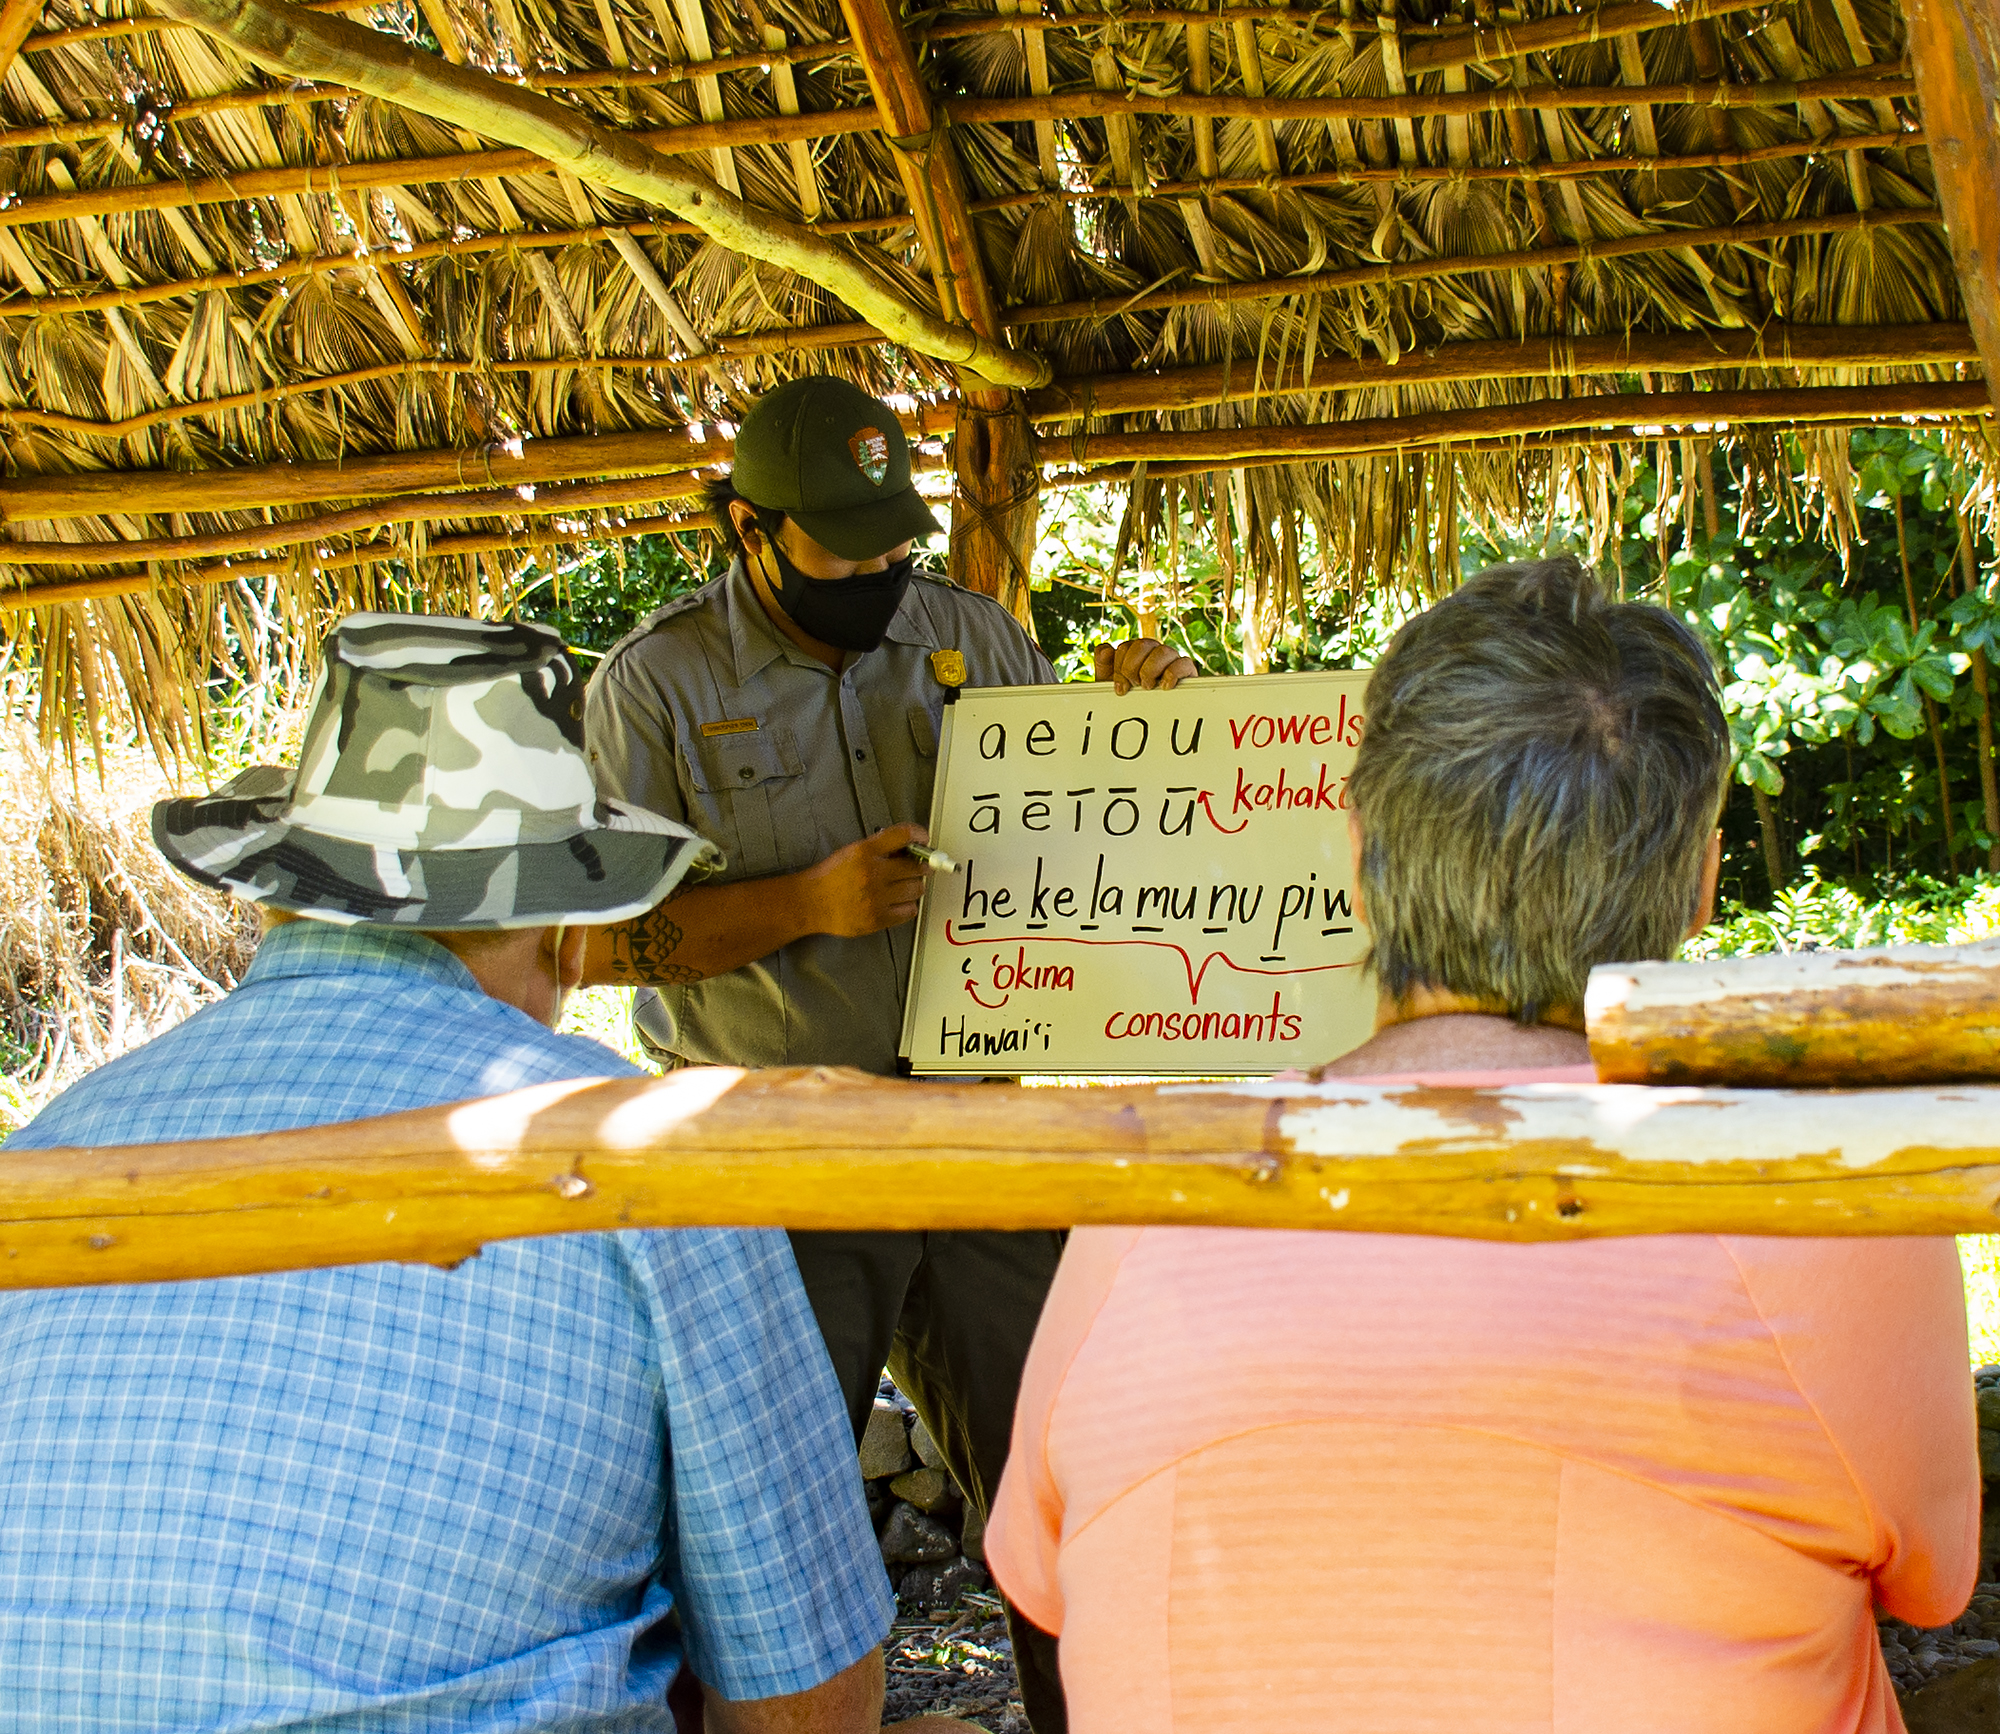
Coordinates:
995 509
823 1149
998 478
1955 50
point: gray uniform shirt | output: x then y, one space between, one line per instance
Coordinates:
709 714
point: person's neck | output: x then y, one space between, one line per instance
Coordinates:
1433 1031
833 657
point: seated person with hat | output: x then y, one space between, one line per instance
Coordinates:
1296 1481
523 1493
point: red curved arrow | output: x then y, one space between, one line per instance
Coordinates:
1226 830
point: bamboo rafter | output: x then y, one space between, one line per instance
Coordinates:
1426 174
1432 47
1607 412
334 178
690 137
1527 259
292 270
1216 382
1430 105
310 557
23 501
1785 346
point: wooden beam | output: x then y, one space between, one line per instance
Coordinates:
825 1149
998 481
1427 48
1421 270
49 497
1863 86
143 294
38 497
89 494
1432 174
105 585
18 19
375 514
283 38
1955 47
1905 1014
506 502
926 159
1609 414
1776 346
128 196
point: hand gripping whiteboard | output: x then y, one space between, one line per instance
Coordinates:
1154 884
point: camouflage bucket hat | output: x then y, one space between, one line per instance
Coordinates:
442 783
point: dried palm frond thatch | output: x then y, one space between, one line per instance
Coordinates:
1380 269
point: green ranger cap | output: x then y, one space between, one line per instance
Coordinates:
834 461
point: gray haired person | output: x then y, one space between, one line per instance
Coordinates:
1648 1485
1536 792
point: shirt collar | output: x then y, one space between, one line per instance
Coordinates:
757 642
308 947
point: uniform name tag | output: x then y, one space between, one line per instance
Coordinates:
740 725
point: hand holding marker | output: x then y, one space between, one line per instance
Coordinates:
935 859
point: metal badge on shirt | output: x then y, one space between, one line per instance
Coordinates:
949 667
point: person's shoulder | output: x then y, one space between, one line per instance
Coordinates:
514 1052
680 614
971 613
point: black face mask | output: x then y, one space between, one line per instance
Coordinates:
847 613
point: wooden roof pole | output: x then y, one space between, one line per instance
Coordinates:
1955 47
18 19
998 480
286 39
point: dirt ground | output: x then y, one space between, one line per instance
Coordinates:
959 1664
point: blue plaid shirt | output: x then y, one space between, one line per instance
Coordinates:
399 1498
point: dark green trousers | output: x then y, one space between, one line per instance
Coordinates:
951 1316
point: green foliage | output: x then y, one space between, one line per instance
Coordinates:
1082 582
596 596
1842 679
1819 914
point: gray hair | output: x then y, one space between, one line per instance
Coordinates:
1537 782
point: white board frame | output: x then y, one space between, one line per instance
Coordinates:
1327 992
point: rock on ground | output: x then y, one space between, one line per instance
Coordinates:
885 1447
1965 1702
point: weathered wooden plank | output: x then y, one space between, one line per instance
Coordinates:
831 1149
1906 1014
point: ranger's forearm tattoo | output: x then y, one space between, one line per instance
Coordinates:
642 950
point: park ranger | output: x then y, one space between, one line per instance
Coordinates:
789 712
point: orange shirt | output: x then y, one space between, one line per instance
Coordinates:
1316 1481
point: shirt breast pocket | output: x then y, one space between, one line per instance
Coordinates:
752 787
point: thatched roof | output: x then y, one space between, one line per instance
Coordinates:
1364 266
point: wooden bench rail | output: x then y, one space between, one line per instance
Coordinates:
831 1149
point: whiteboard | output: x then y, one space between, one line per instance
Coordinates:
1156 884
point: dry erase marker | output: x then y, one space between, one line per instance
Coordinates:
935 859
